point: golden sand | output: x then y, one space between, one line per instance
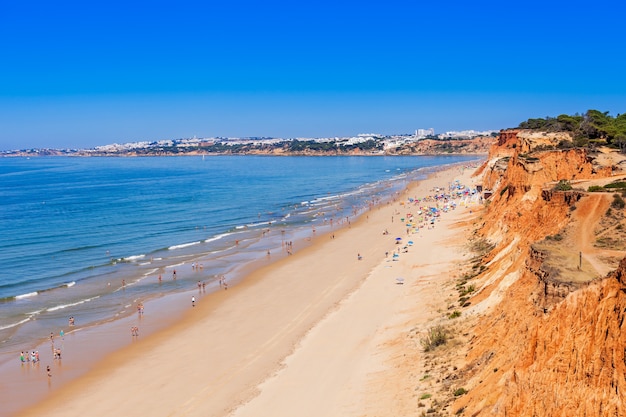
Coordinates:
308 335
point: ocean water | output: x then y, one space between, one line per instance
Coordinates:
88 237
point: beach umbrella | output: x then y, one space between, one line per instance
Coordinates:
398 238
399 280
410 242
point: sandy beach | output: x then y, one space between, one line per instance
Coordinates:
314 333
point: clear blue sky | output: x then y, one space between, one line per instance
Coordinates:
82 74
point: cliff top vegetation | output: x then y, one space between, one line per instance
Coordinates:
593 127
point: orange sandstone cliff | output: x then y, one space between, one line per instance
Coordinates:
547 310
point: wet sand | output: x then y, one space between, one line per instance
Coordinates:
304 335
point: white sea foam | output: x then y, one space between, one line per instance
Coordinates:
69 284
133 258
246 226
223 250
261 223
150 272
217 237
30 294
330 197
184 245
62 306
8 326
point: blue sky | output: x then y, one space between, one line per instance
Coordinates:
82 74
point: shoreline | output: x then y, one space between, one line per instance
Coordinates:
214 239
245 293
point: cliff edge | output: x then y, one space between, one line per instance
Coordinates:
545 314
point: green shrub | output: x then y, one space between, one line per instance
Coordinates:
594 188
565 144
454 314
435 337
618 202
466 290
617 184
563 185
459 392
425 396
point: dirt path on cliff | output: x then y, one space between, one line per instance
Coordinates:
589 211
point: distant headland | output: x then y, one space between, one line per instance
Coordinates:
420 143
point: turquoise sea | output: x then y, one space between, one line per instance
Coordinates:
88 237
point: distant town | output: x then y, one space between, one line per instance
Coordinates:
422 141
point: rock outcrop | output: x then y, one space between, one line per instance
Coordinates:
549 337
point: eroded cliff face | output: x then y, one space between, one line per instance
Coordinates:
549 338
518 180
570 362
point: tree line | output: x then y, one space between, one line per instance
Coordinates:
590 128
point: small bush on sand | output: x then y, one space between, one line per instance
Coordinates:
618 202
436 336
454 314
459 392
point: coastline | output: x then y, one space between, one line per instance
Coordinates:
99 263
233 340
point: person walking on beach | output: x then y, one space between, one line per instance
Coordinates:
193 301
48 371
